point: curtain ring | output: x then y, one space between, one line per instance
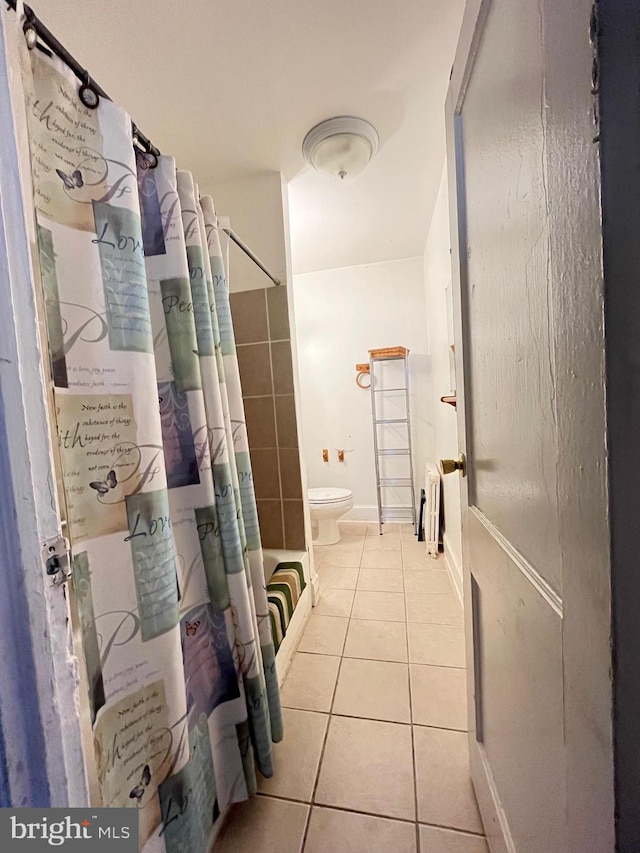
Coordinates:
87 94
147 158
30 35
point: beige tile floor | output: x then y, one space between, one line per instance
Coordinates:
375 750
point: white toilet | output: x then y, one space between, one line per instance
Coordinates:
327 506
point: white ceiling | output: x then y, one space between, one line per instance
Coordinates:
231 89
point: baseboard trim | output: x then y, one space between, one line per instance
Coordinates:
494 819
369 514
455 569
361 513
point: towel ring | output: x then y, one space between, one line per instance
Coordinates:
359 383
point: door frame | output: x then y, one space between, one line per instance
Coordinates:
617 29
577 298
41 756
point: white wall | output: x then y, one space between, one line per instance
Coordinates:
256 207
297 387
340 314
437 274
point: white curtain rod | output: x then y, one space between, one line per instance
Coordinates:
256 260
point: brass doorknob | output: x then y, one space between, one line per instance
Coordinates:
448 466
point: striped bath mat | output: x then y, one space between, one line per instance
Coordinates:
283 591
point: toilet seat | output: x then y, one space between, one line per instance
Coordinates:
325 496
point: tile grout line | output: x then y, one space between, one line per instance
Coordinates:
332 714
381 660
371 814
269 340
330 717
413 740
326 733
275 420
375 719
406 634
406 614
353 604
324 744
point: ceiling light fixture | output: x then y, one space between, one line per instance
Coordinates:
341 146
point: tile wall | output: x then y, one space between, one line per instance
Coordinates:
261 323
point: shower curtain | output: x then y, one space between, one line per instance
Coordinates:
157 478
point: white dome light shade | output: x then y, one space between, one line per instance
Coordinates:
341 146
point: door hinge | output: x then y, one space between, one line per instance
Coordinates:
56 558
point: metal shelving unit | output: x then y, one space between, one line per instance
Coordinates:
405 479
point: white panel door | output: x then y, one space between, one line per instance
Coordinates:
526 241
